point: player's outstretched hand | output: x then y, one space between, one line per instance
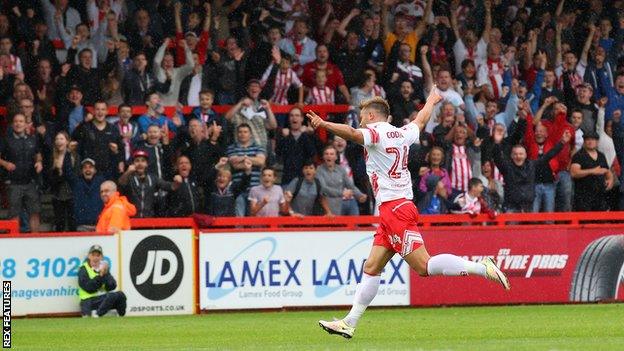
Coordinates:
315 120
434 96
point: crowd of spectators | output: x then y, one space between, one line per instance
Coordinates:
531 119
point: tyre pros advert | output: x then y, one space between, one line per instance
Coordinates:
544 266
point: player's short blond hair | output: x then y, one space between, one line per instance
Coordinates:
378 104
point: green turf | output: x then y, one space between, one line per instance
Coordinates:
562 327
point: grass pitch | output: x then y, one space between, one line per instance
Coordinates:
559 327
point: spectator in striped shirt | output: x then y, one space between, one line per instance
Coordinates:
320 94
463 157
472 201
279 78
245 148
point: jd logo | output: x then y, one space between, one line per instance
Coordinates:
156 267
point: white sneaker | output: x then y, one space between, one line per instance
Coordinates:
338 327
493 273
94 314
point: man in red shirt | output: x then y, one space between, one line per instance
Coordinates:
335 80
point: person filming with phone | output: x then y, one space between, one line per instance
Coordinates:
96 286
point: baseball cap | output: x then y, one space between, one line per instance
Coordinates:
140 153
591 135
95 248
191 33
87 160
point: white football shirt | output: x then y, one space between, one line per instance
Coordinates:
386 152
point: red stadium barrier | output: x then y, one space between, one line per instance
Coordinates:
322 110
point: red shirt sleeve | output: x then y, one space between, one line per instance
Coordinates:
179 50
202 46
529 138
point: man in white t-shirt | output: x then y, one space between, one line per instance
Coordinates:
467 46
387 151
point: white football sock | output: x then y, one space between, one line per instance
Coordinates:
451 265
364 295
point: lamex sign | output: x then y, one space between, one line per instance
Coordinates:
271 270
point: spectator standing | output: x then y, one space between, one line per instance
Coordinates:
494 192
229 72
159 150
144 34
21 157
209 117
279 78
164 70
142 187
351 60
96 287
254 112
138 83
295 145
519 172
62 197
342 195
300 46
267 199
334 77
202 149
60 17
435 159
84 75
435 200
85 191
100 141
245 148
117 211
128 130
591 174
222 193
154 115
185 200
472 202
368 89
402 105
304 194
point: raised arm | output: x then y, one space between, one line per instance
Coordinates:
427 72
342 28
454 25
488 21
160 55
342 130
422 24
558 54
588 42
423 116
547 102
530 51
559 10
177 9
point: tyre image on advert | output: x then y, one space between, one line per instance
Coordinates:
599 274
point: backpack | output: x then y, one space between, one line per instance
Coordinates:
317 209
